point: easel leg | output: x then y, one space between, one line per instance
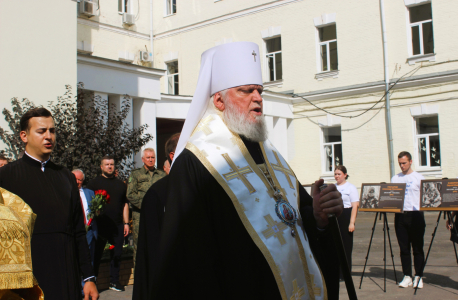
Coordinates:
391 249
384 251
368 250
429 249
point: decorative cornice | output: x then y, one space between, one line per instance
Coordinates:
114 29
175 98
119 66
224 18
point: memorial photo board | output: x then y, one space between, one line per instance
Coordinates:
382 197
439 195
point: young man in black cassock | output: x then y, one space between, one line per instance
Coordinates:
60 252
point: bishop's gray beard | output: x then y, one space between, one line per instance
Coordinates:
240 123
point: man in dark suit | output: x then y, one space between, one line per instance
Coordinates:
86 199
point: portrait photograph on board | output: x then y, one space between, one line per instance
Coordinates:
439 195
382 197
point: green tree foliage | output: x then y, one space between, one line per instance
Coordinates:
87 127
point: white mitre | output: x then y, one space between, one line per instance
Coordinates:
222 67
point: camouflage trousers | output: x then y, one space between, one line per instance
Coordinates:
135 228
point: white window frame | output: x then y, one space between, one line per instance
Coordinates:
323 152
328 56
426 136
172 75
168 5
272 54
412 59
123 5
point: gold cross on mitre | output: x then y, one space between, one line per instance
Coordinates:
275 229
203 125
297 292
287 172
239 173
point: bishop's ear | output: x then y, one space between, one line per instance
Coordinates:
218 101
23 136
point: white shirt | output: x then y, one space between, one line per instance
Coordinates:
412 197
349 193
84 200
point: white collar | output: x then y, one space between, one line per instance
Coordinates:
43 163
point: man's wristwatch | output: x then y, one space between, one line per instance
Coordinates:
127 224
92 279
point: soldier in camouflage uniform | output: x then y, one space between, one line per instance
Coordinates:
140 181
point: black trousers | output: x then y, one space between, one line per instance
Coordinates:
347 237
115 254
410 231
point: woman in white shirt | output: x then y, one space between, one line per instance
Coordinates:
347 219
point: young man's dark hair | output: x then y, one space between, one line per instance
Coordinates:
405 153
107 157
171 145
35 112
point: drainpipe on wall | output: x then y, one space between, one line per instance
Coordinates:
387 87
151 31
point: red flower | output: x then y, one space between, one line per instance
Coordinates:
104 193
108 199
90 222
97 192
111 247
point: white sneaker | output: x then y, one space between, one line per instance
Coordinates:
406 282
415 282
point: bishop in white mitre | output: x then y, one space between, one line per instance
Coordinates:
238 224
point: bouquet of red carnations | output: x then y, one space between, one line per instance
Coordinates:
99 200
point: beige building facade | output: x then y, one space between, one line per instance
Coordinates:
331 53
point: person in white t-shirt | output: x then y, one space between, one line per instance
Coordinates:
410 225
347 219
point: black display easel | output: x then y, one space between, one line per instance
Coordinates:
386 230
449 216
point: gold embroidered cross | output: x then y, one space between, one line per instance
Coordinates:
203 126
257 200
297 292
275 229
316 289
239 173
287 172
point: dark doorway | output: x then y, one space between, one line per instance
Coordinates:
165 128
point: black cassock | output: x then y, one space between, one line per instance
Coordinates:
206 252
59 246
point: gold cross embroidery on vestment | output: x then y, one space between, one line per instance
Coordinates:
275 229
297 292
287 172
316 289
203 126
239 173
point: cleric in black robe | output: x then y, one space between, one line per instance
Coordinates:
205 250
60 253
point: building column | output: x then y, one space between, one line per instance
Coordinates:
144 112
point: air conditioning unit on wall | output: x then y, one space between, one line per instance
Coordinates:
88 8
128 19
146 56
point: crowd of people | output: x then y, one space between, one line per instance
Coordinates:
230 221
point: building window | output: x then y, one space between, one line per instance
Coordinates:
172 78
171 7
421 29
273 47
427 140
332 148
124 6
328 48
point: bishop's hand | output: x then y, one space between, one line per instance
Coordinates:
327 201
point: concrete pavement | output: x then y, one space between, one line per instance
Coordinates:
440 277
